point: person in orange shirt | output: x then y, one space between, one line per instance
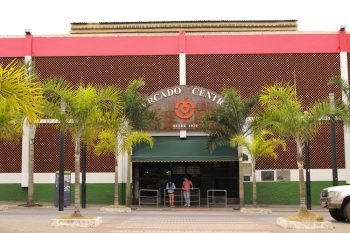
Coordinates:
186 187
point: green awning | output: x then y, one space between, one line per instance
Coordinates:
174 149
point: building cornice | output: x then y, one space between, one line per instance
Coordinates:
186 26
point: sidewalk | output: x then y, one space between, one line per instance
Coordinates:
274 208
19 219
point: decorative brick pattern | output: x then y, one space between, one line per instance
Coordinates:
250 72
46 150
10 157
158 72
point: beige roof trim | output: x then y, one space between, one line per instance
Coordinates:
190 26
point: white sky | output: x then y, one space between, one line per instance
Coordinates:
55 16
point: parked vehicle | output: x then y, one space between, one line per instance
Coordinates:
337 200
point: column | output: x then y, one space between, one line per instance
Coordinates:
26 135
182 68
345 78
122 169
25 154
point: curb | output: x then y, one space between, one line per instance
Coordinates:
116 210
71 222
282 222
255 211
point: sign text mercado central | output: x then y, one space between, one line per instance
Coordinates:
183 107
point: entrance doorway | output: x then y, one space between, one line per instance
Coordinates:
204 175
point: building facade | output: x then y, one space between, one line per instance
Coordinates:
207 60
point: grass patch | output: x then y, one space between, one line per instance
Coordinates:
305 216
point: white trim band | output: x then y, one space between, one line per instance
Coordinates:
182 68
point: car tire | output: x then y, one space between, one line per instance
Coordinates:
347 211
337 214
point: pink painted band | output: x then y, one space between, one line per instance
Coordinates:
173 45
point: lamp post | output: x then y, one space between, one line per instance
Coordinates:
333 138
308 180
83 179
307 167
61 170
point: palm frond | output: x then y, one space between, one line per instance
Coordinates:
217 139
107 142
136 108
342 109
111 100
263 147
227 120
137 137
10 122
134 86
342 84
240 140
89 109
23 89
265 143
313 118
282 111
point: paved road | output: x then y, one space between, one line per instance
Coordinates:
187 221
178 220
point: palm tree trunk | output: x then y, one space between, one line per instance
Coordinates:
30 197
128 183
77 176
116 190
300 146
254 184
241 184
118 152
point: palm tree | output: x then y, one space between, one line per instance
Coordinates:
138 118
284 115
117 137
109 141
88 109
21 101
228 121
260 147
121 141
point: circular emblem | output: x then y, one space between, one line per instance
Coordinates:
185 109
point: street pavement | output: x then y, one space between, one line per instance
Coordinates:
152 220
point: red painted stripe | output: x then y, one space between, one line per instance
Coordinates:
105 46
170 45
345 42
262 44
11 47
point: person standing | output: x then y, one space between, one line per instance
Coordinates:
170 187
186 187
